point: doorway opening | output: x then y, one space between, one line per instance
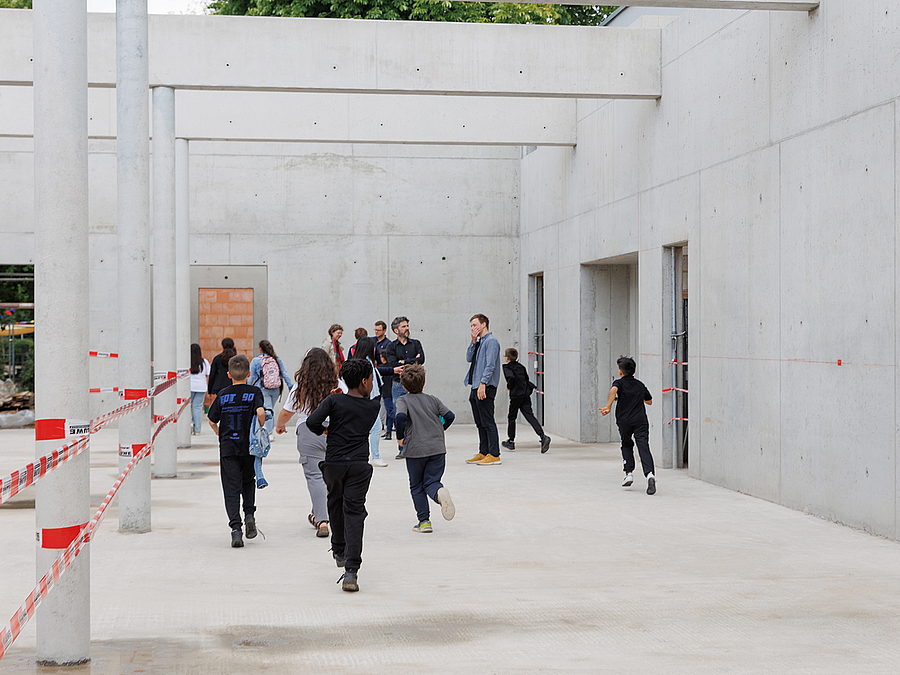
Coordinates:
536 323
678 386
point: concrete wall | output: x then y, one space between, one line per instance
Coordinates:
348 234
773 154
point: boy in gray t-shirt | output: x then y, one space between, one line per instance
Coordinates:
420 423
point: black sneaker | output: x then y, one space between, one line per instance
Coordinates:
386 436
651 486
340 560
237 541
509 445
349 581
250 524
400 455
545 444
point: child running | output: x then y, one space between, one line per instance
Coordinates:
631 418
346 467
420 422
520 388
234 407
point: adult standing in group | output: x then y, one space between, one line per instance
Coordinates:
269 374
315 380
358 333
365 349
332 344
387 400
402 352
199 384
483 377
218 371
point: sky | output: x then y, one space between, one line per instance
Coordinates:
154 6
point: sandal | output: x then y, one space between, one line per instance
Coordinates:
322 528
312 520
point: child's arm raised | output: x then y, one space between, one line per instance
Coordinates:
609 401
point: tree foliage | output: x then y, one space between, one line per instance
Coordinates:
420 10
16 4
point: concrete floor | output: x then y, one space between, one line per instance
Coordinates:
549 567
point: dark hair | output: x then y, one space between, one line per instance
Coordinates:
382 324
196 359
228 350
413 378
354 371
239 367
482 318
315 379
397 321
334 327
626 365
267 348
512 353
364 348
360 332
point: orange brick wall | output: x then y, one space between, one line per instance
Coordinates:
226 312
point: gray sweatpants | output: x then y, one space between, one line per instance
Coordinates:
312 451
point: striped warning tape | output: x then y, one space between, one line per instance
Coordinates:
674 389
677 419
104 355
13 483
28 608
103 390
535 353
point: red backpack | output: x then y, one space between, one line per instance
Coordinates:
271 373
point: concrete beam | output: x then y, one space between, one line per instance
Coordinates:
779 5
355 56
327 118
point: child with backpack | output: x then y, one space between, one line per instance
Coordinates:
268 373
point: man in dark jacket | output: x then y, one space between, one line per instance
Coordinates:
520 388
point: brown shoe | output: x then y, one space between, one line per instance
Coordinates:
477 458
489 460
322 529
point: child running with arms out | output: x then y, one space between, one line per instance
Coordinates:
631 418
420 422
346 467
235 407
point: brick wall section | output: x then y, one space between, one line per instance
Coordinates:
226 312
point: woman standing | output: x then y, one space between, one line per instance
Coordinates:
332 345
314 382
199 383
365 349
269 374
218 371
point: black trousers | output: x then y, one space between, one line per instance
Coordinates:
523 404
238 481
483 411
641 433
347 483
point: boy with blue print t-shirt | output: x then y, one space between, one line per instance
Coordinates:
230 417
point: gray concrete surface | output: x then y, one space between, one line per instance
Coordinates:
549 566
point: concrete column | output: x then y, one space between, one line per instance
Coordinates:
165 454
183 281
133 239
61 316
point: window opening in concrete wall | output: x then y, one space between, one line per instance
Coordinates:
678 386
536 321
226 312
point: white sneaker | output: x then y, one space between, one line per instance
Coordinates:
448 510
629 479
377 461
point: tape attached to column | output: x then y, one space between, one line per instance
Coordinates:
58 429
58 537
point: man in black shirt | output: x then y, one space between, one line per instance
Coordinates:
382 341
346 468
403 351
234 407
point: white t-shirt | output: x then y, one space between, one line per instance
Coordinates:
302 415
198 380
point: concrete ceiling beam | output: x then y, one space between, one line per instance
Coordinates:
355 56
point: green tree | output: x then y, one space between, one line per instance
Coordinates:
16 4
420 10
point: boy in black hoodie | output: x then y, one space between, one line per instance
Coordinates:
520 388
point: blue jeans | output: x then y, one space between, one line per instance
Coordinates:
197 409
270 396
374 438
425 475
390 412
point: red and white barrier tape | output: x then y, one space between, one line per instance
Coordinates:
538 391
535 353
677 419
28 608
673 362
674 389
103 390
104 355
13 483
